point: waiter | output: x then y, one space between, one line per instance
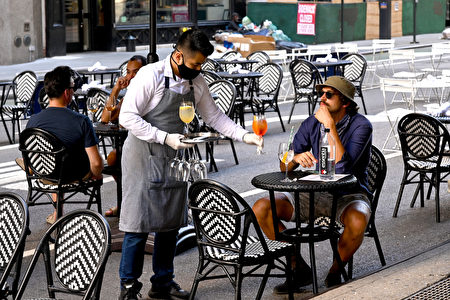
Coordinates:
153 202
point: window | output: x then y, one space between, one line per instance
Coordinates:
213 10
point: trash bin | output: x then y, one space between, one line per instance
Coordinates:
385 19
130 43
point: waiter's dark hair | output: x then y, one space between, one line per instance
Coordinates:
194 40
56 81
139 58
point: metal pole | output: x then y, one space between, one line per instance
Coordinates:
414 20
152 56
342 21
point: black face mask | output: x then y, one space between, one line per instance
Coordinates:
186 72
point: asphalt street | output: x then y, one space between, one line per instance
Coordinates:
413 231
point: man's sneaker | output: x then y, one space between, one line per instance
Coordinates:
169 292
302 279
130 290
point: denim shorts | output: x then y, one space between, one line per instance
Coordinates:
323 202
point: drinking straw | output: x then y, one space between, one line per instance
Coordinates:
291 137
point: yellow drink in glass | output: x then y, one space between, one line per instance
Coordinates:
186 113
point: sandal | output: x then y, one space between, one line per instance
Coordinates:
112 212
50 219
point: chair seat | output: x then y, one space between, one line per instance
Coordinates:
11 108
252 250
47 185
445 163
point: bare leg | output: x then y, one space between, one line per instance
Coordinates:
355 218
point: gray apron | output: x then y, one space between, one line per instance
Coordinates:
153 201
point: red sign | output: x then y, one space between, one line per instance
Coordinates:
306 19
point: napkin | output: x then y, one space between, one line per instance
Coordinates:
93 84
97 66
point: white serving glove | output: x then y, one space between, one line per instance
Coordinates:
253 139
173 140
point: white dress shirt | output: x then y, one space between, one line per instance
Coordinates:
146 91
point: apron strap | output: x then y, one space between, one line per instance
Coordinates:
166 82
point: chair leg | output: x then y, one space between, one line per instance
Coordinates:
6 129
378 244
400 193
416 193
292 110
350 268
264 281
430 187
237 295
277 109
438 211
312 258
362 99
234 152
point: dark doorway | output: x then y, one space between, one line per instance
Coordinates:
77 13
55 29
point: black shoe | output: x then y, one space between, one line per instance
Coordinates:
303 278
333 279
169 292
130 290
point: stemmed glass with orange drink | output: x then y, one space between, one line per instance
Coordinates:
259 128
110 105
187 113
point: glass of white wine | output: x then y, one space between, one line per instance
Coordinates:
110 106
92 106
286 155
186 112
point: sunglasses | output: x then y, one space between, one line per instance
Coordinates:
329 95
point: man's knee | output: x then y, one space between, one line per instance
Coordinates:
355 219
261 208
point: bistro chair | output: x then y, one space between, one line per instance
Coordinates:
355 73
44 100
305 76
262 58
211 65
222 221
229 56
47 163
226 96
210 76
268 89
14 223
102 96
82 245
23 87
424 141
376 172
123 69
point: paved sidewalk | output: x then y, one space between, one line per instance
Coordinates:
399 280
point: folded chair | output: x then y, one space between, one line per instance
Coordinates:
47 162
222 221
82 245
424 141
13 231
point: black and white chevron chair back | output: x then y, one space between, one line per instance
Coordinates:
226 95
102 97
123 69
24 85
13 230
270 82
376 174
82 247
211 65
260 56
41 151
44 100
231 55
210 76
304 74
422 137
356 70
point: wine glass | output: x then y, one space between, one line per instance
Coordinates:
173 166
286 155
198 168
259 128
186 112
110 106
183 169
92 106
